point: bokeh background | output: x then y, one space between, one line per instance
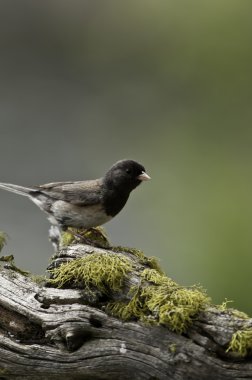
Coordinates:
168 83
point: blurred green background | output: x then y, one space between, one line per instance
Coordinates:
167 83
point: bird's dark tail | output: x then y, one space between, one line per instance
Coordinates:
21 190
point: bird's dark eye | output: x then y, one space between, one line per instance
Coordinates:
128 170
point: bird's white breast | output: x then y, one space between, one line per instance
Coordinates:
79 216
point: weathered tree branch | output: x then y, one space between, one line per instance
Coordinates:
52 333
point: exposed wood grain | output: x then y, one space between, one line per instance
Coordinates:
48 333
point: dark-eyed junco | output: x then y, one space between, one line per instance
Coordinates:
85 204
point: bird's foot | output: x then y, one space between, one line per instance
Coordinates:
94 236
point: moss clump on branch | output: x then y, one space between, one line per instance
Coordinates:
154 298
143 291
160 300
241 342
234 312
135 288
105 272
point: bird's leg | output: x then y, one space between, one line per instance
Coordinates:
78 234
54 237
98 237
92 236
98 231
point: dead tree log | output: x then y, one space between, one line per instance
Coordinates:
79 332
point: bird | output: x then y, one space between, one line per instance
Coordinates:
85 204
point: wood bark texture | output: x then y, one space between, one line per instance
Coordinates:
51 333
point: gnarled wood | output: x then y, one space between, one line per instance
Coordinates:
48 333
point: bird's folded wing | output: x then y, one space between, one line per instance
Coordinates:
83 193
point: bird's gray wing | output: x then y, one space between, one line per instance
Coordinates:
78 193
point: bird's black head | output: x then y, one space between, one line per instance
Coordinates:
125 175
118 182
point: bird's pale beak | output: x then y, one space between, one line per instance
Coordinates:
143 177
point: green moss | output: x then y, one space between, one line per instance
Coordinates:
224 305
152 275
3 240
236 313
133 251
7 259
67 238
156 299
105 272
241 342
164 302
239 314
134 309
11 265
38 279
97 236
4 371
172 348
174 305
151 262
